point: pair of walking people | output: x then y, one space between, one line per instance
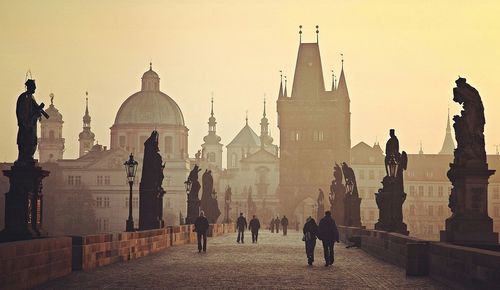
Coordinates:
275 223
253 226
327 232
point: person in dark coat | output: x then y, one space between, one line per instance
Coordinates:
310 233
277 224
254 227
328 234
271 225
241 225
284 224
201 228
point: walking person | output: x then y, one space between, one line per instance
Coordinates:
310 233
284 224
241 224
201 228
328 234
277 224
254 227
271 225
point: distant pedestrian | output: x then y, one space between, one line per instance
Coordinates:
284 224
328 234
254 227
201 228
277 224
271 225
241 224
310 233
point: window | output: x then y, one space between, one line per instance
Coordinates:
121 141
106 202
420 190
321 136
315 136
78 180
99 202
169 145
71 180
99 180
496 211
297 136
371 174
412 190
440 191
361 174
233 160
107 180
102 224
431 210
430 191
440 211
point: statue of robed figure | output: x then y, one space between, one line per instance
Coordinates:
208 201
193 203
150 190
337 195
321 205
352 202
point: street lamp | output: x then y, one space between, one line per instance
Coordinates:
130 169
392 166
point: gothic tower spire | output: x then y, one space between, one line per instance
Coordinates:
86 137
448 144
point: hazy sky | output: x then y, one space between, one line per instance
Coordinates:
401 61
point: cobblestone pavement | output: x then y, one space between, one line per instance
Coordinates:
276 262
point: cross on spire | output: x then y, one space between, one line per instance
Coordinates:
317 33
300 33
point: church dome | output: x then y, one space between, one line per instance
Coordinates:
53 112
150 105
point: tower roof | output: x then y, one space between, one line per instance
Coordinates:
308 80
53 112
280 94
342 85
246 137
448 143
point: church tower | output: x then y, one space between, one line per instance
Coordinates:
86 137
51 142
314 129
212 148
448 147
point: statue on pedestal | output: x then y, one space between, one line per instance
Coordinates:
193 202
391 196
208 201
227 202
150 190
469 174
352 202
321 205
337 194
24 201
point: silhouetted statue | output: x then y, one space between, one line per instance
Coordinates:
391 196
28 112
337 194
321 204
208 201
227 202
193 200
469 127
469 174
150 190
352 202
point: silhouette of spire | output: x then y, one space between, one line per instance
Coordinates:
264 114
342 85
317 33
448 144
150 65
246 118
212 110
286 94
86 117
280 94
421 151
300 34
333 81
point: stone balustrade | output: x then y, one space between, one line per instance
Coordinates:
25 264
451 264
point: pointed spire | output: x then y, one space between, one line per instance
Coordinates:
86 117
264 114
317 33
421 151
212 110
342 85
333 81
280 94
286 94
448 143
300 34
246 118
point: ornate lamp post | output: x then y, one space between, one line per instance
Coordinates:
187 184
130 169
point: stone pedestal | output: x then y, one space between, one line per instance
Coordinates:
390 201
469 223
193 203
352 210
337 207
24 203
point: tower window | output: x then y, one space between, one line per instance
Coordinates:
320 136
168 145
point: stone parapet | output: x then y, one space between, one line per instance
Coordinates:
26 264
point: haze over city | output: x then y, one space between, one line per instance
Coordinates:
400 60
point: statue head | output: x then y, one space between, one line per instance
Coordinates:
391 133
30 86
461 82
